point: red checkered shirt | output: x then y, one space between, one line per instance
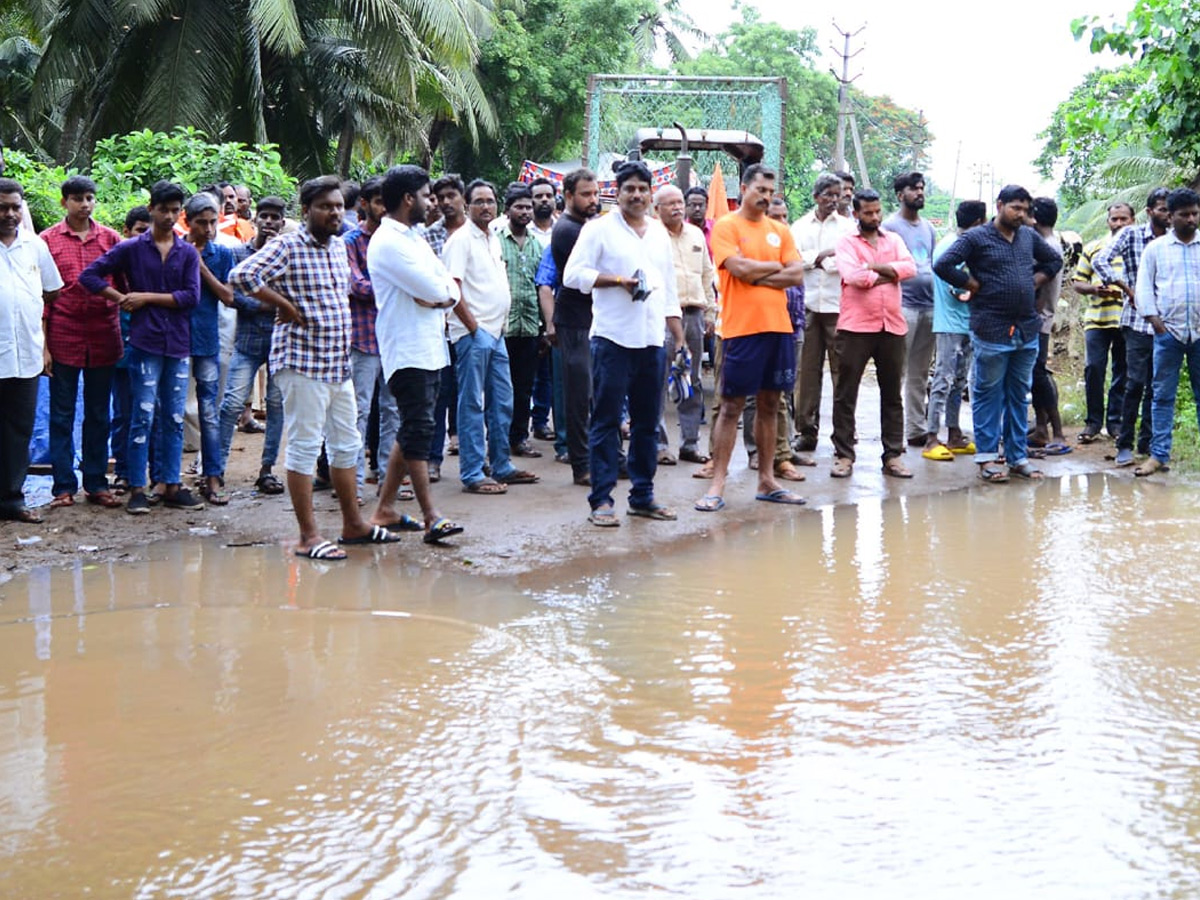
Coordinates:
362 298
82 329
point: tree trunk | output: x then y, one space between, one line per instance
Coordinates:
345 147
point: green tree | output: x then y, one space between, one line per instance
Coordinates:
535 70
756 48
664 24
307 74
1162 37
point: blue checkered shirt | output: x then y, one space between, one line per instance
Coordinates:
1129 244
316 279
255 320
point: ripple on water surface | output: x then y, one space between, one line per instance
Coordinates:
991 693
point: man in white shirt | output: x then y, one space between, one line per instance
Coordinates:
816 236
624 259
28 280
485 394
412 292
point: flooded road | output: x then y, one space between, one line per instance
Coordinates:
992 693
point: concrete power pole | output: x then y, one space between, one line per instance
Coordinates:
844 111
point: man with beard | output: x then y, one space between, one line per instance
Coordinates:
1006 261
542 228
542 192
522 254
573 318
251 351
448 192
624 261
412 291
920 238
305 275
756 262
1138 335
871 328
485 394
1168 282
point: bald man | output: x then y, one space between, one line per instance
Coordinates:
695 278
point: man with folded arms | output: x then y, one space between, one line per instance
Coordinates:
871 327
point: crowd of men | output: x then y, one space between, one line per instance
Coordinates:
410 318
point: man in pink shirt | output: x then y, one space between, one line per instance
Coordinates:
871 326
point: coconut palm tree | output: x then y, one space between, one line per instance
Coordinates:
305 74
665 23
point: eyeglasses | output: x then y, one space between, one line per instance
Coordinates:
483 202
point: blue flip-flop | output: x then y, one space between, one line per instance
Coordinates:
781 495
710 503
1057 449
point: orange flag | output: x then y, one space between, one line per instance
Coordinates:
718 202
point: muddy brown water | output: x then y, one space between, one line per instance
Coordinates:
989 694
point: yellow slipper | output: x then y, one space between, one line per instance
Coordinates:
940 453
968 447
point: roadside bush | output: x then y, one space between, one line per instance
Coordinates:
125 166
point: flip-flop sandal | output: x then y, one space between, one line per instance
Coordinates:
968 447
705 471
693 456
604 517
992 475
655 511
326 550
377 535
106 499
441 529
405 523
782 495
1037 452
1057 449
485 486
710 503
1026 471
405 494
940 453
1086 437
23 514
519 476
896 469
268 484
216 498
62 500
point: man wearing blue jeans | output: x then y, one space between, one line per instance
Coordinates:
485 395
1008 261
1168 297
163 274
625 261
201 213
251 351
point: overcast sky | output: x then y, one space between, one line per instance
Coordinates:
987 76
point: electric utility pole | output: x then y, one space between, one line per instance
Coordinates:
845 113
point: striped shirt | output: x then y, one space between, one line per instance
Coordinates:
521 265
1168 286
316 279
1128 246
1102 310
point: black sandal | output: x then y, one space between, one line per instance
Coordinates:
268 484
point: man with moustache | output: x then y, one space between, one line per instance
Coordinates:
572 319
871 328
544 196
756 261
920 238
28 281
1168 283
1137 334
447 191
1006 261
252 351
473 257
816 236
412 292
305 276
522 253
624 261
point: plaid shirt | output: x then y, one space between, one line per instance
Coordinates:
1129 245
521 265
316 279
437 235
82 329
362 298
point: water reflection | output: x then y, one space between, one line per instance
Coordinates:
992 692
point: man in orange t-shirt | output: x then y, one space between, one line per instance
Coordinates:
756 261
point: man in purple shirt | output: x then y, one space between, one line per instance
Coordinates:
163 274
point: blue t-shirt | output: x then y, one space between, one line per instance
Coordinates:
206 334
950 315
916 292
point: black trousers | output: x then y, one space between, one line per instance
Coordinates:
522 368
854 350
577 393
17 411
